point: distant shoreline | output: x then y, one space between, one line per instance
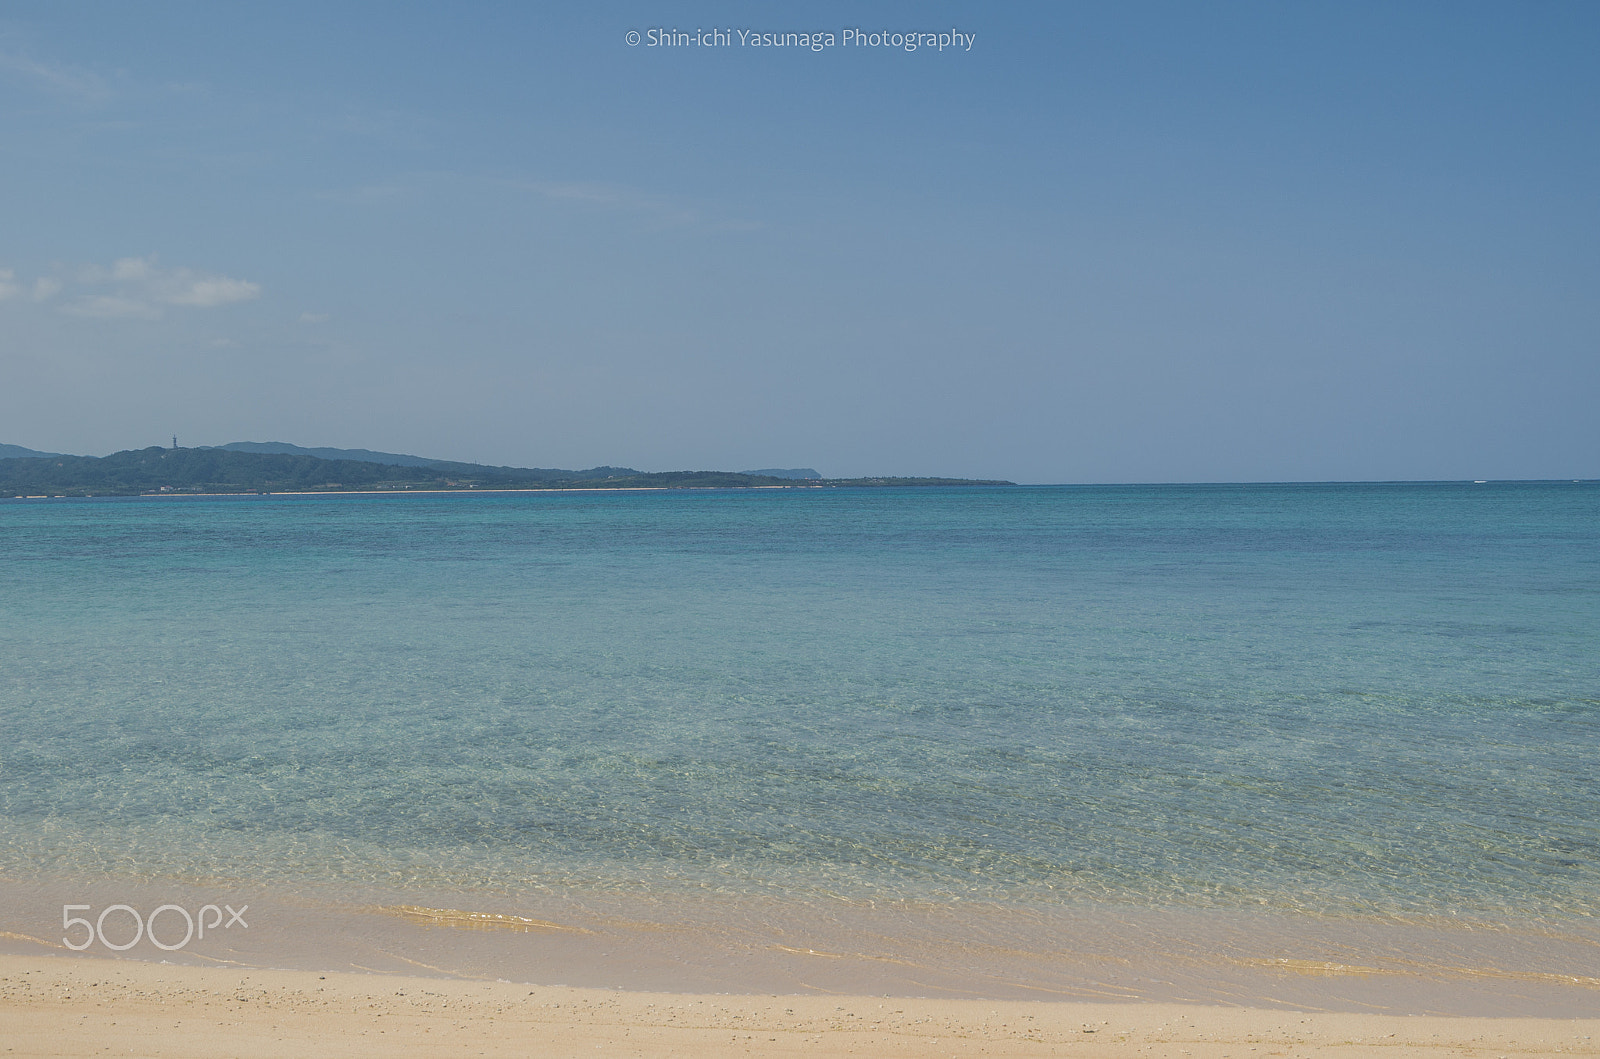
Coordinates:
472 491
226 472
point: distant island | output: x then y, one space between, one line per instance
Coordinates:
279 467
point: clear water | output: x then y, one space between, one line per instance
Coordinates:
1346 700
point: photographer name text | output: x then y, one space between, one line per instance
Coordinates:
659 37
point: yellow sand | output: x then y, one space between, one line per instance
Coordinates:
55 1006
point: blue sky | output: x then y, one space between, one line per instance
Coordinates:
1118 242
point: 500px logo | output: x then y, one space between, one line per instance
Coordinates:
142 926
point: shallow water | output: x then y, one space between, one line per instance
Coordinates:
1334 700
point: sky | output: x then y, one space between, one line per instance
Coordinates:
1118 242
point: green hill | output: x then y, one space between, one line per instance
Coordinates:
160 471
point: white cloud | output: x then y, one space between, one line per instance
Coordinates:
136 288
41 288
67 81
130 268
613 197
371 194
112 307
183 287
393 128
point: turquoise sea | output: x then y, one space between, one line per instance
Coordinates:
1346 701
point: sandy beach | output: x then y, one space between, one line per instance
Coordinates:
57 1006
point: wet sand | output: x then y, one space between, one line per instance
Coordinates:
62 1006
639 943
